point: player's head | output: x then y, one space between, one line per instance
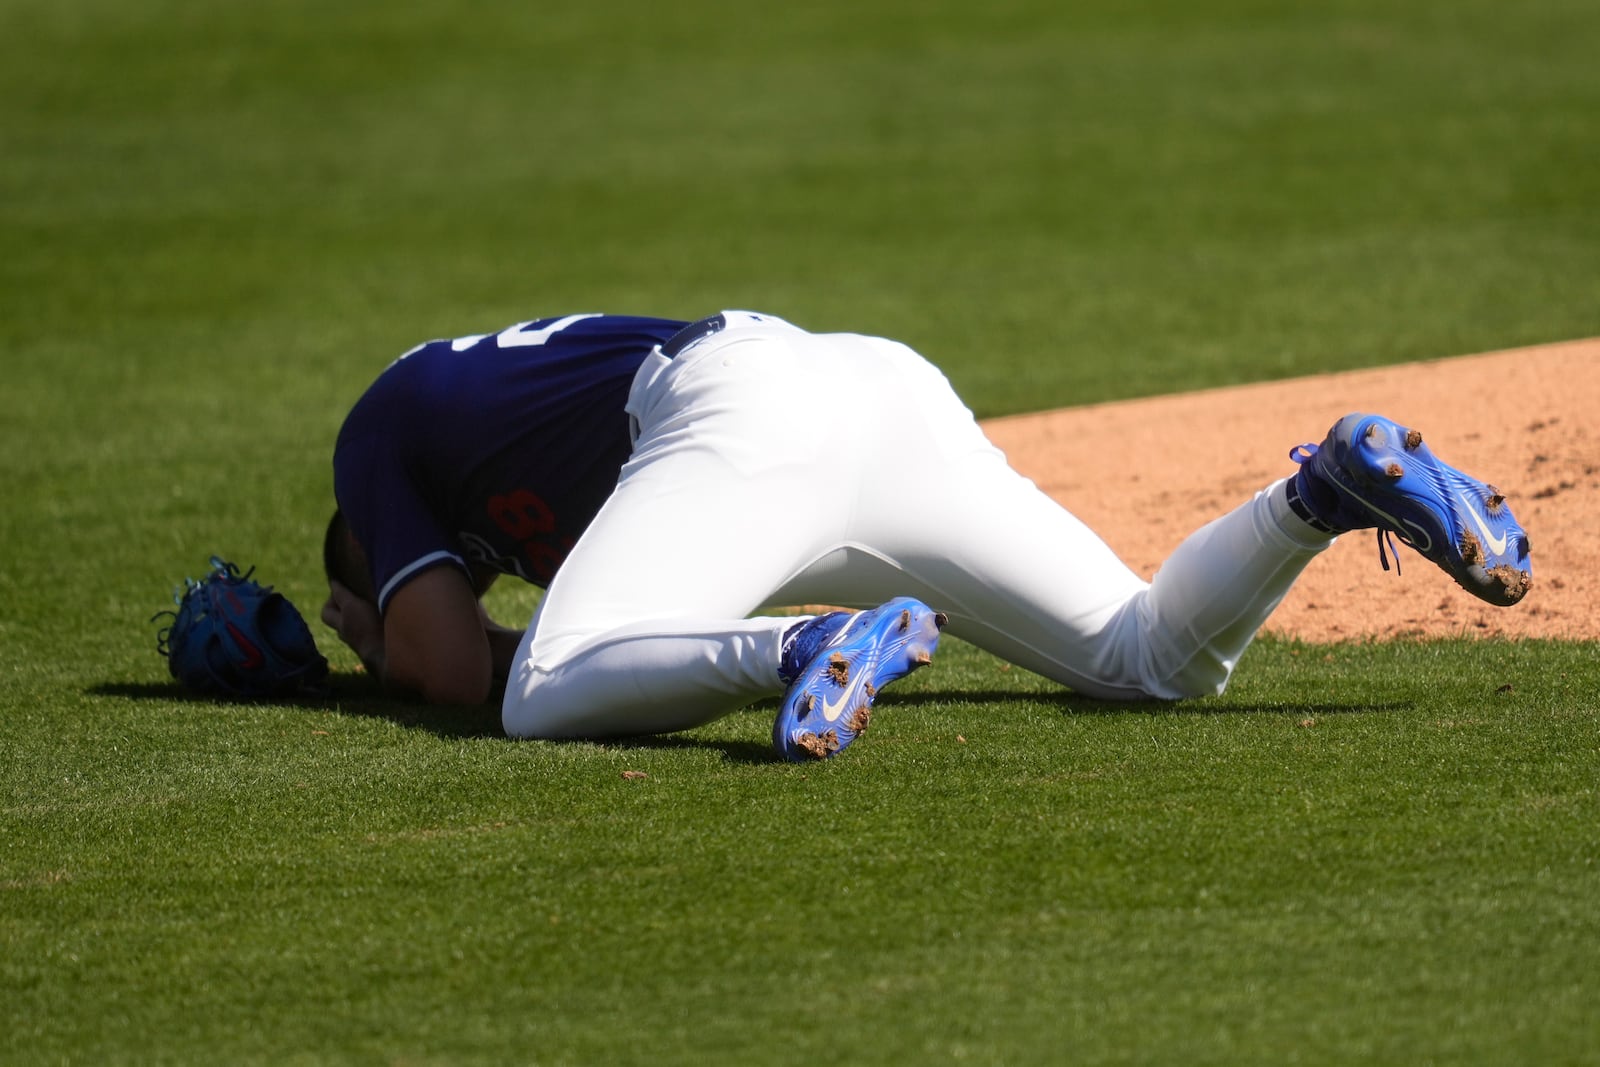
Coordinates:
343 559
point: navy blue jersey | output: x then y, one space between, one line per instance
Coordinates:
494 448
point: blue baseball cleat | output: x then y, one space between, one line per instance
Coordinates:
835 666
1373 472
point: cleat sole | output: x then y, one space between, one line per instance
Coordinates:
1386 475
829 704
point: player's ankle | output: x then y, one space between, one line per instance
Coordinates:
1314 502
802 640
1302 522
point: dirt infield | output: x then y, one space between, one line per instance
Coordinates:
1145 473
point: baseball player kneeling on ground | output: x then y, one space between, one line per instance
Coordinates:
666 480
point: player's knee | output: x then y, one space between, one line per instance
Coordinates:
1200 675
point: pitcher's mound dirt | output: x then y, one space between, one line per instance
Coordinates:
1145 473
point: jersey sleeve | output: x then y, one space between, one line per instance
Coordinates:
385 508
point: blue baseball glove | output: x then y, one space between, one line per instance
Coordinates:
233 638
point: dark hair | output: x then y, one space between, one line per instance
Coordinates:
342 558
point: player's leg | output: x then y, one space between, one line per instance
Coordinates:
1024 578
729 493
1031 583
644 628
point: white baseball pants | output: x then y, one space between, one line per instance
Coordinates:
779 467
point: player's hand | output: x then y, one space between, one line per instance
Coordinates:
357 623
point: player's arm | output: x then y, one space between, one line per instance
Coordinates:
503 640
434 640
364 630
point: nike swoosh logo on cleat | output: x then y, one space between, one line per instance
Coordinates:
831 710
1496 545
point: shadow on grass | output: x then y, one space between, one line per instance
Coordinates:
359 698
345 696
1070 703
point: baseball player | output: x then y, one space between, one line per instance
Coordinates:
664 481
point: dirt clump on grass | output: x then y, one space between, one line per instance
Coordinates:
1188 458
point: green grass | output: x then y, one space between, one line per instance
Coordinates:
1369 853
217 222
